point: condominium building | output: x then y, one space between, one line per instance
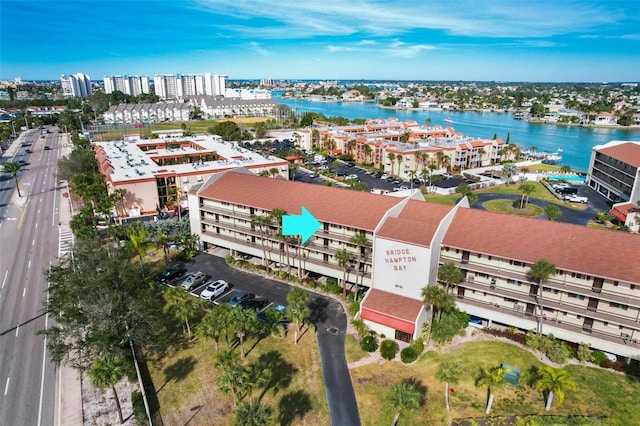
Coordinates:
130 85
593 298
152 171
178 86
614 170
78 85
139 113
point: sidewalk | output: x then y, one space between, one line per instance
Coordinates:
68 409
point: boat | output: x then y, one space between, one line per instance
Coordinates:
448 120
518 115
553 158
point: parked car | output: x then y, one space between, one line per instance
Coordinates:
276 314
384 176
28 151
313 175
193 280
239 298
352 177
403 188
47 147
171 273
257 304
214 289
574 198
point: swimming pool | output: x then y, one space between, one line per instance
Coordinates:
569 178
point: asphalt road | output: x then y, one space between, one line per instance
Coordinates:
29 240
326 314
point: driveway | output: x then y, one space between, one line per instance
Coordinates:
326 314
596 204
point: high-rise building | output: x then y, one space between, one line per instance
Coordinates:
219 84
130 85
78 85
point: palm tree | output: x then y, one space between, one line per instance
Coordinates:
13 167
162 241
491 378
350 145
367 152
541 271
344 258
181 305
448 372
360 241
439 301
244 321
399 159
450 274
527 188
273 171
233 380
412 176
404 396
214 325
137 242
297 308
554 382
253 413
106 371
261 221
276 217
119 196
391 156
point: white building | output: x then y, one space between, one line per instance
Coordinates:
78 85
129 85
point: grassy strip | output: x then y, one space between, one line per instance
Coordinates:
506 206
599 392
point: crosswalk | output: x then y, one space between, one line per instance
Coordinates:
65 242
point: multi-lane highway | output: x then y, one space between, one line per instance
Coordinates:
29 239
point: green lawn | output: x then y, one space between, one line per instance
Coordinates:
506 206
599 392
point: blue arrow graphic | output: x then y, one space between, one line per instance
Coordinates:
304 225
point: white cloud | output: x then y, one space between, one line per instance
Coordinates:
256 47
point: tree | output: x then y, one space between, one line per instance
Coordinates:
465 190
541 271
13 167
233 379
137 241
216 324
253 413
262 223
554 382
448 372
106 371
344 258
491 378
527 188
297 309
243 321
435 297
97 302
509 170
404 396
450 274
181 305
391 156
360 241
552 212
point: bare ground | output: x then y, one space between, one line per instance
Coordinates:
99 407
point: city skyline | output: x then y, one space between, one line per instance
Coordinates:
581 41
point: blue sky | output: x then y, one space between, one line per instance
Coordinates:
510 40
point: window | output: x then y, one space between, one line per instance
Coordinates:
576 296
618 305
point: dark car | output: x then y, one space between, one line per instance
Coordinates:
171 273
275 314
28 151
257 304
239 298
47 147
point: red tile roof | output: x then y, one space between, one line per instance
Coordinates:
600 252
416 224
627 152
355 209
392 305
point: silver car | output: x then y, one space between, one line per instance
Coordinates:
193 280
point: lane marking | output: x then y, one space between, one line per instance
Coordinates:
36 224
44 356
4 280
29 265
33 243
17 330
6 387
24 291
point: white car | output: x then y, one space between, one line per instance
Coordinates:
193 280
384 176
214 289
352 177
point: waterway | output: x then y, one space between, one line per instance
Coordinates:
576 142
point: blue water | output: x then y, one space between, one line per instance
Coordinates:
566 177
576 142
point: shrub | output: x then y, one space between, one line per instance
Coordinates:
533 340
354 307
515 204
369 343
418 346
559 352
333 288
598 357
584 353
139 411
388 349
408 354
229 260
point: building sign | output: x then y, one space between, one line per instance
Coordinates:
400 268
